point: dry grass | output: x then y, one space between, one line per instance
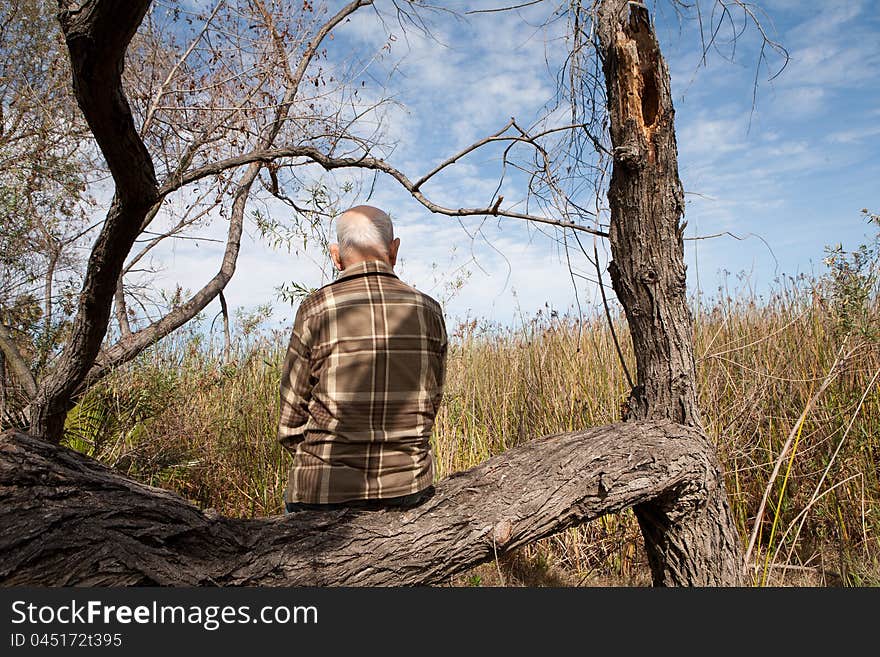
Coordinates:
180 419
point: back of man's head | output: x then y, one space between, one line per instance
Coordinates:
364 231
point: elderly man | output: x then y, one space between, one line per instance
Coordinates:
362 379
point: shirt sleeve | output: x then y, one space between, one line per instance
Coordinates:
295 385
441 374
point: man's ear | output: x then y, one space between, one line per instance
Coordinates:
334 256
392 250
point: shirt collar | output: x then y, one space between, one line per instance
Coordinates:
366 267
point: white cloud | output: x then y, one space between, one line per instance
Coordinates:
854 135
799 102
771 179
708 138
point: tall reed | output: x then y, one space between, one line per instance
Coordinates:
181 418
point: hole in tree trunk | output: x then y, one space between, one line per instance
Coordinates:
650 100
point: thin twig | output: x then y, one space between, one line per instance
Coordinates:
497 9
595 262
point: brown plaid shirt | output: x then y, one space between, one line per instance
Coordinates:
360 387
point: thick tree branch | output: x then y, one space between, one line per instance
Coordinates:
71 521
97 33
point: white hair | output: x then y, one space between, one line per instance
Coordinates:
364 231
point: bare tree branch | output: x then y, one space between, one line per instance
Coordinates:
151 109
365 162
121 308
509 8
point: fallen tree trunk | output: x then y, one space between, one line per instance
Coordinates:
68 520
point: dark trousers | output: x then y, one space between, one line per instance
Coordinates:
400 502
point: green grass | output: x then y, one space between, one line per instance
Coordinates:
179 418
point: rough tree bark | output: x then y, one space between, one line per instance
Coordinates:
689 537
70 521
97 36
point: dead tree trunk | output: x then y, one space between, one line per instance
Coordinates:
68 520
690 537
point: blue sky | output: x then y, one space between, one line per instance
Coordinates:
789 175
